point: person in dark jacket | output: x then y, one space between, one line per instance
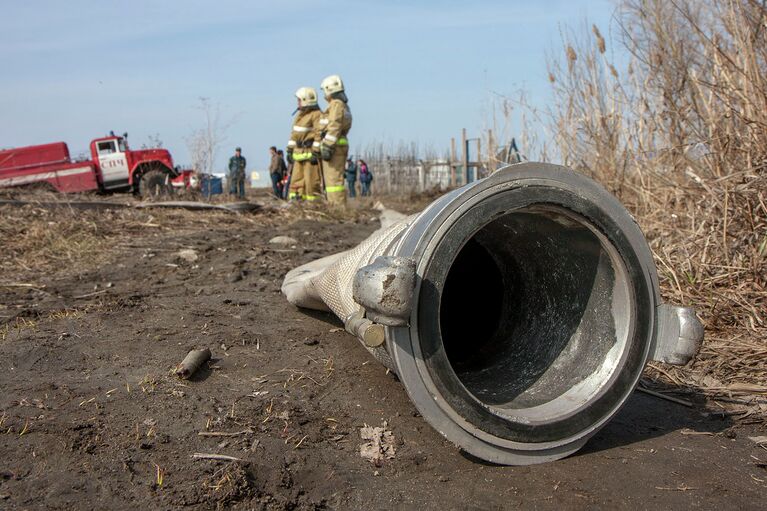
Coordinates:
366 177
351 178
276 166
285 170
237 174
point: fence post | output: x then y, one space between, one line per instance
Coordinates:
490 152
465 156
452 162
479 160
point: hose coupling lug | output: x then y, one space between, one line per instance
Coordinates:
680 334
385 289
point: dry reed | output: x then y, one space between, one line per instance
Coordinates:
680 135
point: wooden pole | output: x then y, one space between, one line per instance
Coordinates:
479 158
465 156
452 162
490 151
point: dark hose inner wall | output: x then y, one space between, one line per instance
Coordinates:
528 313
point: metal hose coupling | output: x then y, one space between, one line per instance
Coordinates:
518 311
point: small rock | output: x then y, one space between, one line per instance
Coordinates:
145 445
443 479
234 277
189 255
311 342
730 434
283 240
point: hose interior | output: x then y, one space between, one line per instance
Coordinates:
535 313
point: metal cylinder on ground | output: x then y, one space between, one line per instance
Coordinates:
518 311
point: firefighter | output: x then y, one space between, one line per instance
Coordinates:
304 146
334 148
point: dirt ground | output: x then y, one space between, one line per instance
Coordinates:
92 417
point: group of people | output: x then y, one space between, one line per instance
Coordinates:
317 152
318 146
365 175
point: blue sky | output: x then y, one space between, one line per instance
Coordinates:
414 71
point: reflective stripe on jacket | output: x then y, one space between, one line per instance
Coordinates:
305 133
336 122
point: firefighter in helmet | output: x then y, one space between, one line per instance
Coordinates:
304 146
336 122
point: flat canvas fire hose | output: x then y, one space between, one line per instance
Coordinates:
518 311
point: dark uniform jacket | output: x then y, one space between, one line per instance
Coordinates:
351 172
237 165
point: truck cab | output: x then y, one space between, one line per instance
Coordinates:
111 156
120 167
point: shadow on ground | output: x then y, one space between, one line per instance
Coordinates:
645 417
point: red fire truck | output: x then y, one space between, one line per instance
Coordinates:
113 166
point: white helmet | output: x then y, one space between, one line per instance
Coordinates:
332 84
306 96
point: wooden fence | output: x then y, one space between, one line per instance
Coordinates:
405 173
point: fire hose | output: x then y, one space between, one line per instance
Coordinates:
518 311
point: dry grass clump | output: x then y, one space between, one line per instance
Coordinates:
230 484
44 242
54 240
680 135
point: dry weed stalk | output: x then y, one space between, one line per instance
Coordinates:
681 137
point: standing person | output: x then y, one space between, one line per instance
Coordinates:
286 181
334 149
284 172
351 178
275 171
366 176
237 165
283 166
304 143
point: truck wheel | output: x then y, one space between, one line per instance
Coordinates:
155 183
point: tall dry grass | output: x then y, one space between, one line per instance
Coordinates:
679 132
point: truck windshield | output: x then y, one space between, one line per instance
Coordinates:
122 145
106 147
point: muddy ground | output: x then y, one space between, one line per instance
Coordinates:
92 417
